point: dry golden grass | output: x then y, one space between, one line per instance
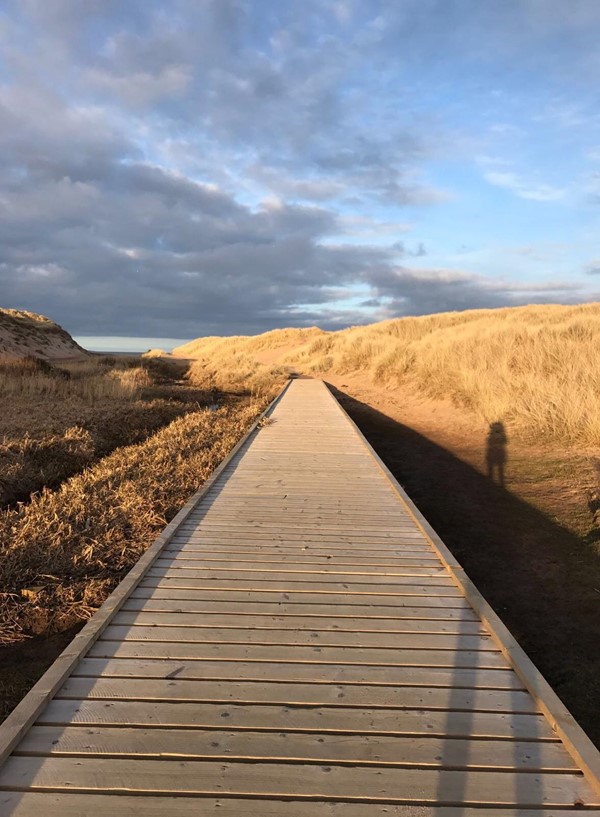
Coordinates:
238 363
28 464
58 420
61 554
535 368
87 380
245 375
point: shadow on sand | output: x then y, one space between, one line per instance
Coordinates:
541 579
496 453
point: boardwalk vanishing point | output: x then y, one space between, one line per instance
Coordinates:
297 642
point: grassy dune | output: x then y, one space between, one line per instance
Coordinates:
240 362
26 333
535 368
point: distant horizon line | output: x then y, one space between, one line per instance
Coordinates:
127 343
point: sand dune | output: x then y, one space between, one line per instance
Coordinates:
25 333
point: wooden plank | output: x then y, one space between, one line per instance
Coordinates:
430 677
357 491
306 544
217 499
342 518
199 557
302 534
394 548
298 781
240 518
291 637
301 552
410 534
293 466
274 516
202 522
304 556
300 505
262 508
186 602
340 600
248 564
66 804
393 590
247 511
354 529
357 750
184 561
297 694
331 576
251 473
277 718
146 614
310 490
300 653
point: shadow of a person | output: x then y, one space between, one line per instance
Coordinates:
495 454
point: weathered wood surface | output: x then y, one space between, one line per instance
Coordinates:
298 645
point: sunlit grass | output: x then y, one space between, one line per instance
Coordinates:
534 367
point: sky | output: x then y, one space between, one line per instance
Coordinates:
209 167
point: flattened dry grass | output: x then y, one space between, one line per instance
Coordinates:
535 367
63 553
28 463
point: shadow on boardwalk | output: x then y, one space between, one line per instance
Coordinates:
541 579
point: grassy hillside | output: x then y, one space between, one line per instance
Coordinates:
246 362
26 333
535 367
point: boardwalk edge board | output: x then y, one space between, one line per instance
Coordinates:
26 712
577 743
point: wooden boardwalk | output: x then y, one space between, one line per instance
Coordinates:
297 643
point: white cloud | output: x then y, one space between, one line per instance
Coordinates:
367 227
523 189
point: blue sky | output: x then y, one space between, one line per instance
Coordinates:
191 167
